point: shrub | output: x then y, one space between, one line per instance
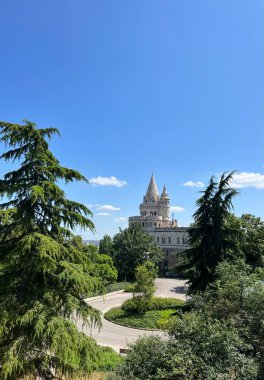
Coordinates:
156 303
109 359
153 319
129 288
115 286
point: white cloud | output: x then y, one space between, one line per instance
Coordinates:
177 209
107 181
108 208
193 184
89 205
246 179
103 214
120 219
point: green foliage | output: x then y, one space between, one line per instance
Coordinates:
221 338
106 245
153 319
252 242
103 266
44 273
141 361
197 350
109 359
238 298
123 285
144 287
129 288
131 247
212 238
156 303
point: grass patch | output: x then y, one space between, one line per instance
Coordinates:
151 319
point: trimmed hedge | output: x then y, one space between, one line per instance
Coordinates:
153 319
156 303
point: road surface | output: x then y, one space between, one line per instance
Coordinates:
117 336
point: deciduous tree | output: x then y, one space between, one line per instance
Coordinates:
131 247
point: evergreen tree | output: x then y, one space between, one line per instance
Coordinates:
43 276
211 237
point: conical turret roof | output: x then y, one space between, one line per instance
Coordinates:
164 193
152 188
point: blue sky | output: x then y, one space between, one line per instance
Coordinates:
171 87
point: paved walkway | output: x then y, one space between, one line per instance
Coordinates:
118 336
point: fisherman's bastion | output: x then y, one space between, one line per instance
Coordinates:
155 219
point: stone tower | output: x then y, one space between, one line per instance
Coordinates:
164 202
154 218
155 209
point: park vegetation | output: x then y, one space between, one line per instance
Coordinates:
130 248
144 310
46 272
219 334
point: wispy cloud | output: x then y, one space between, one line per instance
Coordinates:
103 214
107 181
120 219
247 179
108 208
100 207
193 184
177 209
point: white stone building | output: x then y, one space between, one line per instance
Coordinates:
155 219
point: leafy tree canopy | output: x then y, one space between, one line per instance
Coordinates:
221 337
144 288
252 243
106 245
132 247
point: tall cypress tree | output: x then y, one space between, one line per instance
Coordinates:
211 237
44 278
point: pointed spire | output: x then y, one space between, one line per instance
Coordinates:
152 188
164 192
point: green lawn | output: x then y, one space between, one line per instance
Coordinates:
152 319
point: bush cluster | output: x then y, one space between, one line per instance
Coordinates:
156 303
108 360
153 319
129 288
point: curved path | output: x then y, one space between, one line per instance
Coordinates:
118 336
